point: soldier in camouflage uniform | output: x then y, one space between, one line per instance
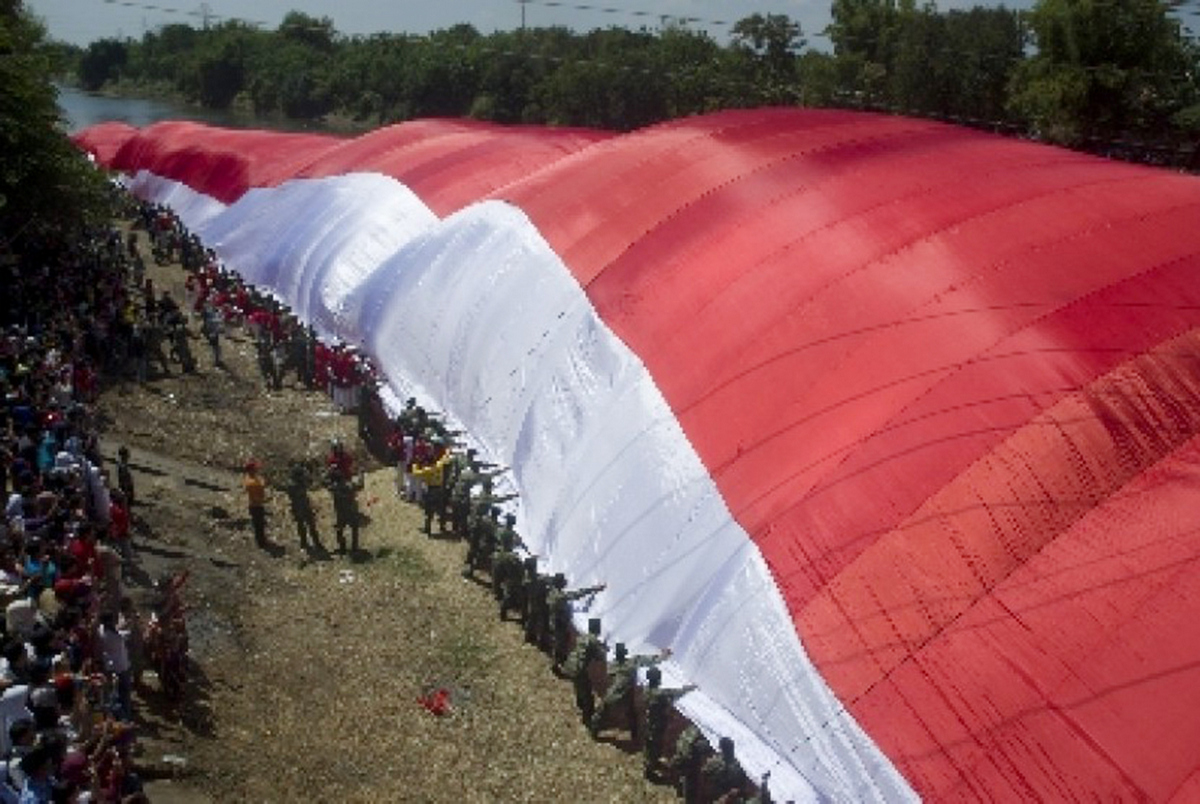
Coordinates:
619 692
481 538
723 776
659 701
516 591
558 601
463 484
535 617
154 334
588 648
301 506
407 418
506 566
181 349
691 751
764 791
345 508
267 366
487 495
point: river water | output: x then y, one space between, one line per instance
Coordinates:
82 109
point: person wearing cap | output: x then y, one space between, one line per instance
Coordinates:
481 536
558 601
691 752
507 572
301 507
588 648
433 475
535 616
256 501
339 461
619 692
344 492
659 700
722 774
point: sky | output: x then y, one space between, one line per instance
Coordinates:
84 21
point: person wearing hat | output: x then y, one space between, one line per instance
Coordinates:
723 776
558 601
301 506
344 492
256 500
619 701
588 648
339 460
433 475
659 700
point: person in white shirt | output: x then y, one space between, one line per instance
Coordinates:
114 656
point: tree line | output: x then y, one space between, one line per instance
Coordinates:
46 184
1115 76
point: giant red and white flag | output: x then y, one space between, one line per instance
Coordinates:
888 428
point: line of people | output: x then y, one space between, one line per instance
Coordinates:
457 493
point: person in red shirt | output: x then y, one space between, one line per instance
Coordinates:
83 549
339 462
118 526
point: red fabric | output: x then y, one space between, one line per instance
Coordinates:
322 358
914 357
84 553
945 381
450 163
104 140
118 521
341 462
436 702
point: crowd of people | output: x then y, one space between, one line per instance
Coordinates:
72 649
71 641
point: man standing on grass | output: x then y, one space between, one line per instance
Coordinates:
344 492
301 505
256 501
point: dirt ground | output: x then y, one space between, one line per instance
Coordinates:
306 668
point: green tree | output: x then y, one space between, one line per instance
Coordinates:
696 79
864 34
983 47
101 62
1103 70
220 64
772 41
311 32
44 180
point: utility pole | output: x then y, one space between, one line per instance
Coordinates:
523 3
205 13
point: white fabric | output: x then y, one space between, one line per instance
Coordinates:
479 317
